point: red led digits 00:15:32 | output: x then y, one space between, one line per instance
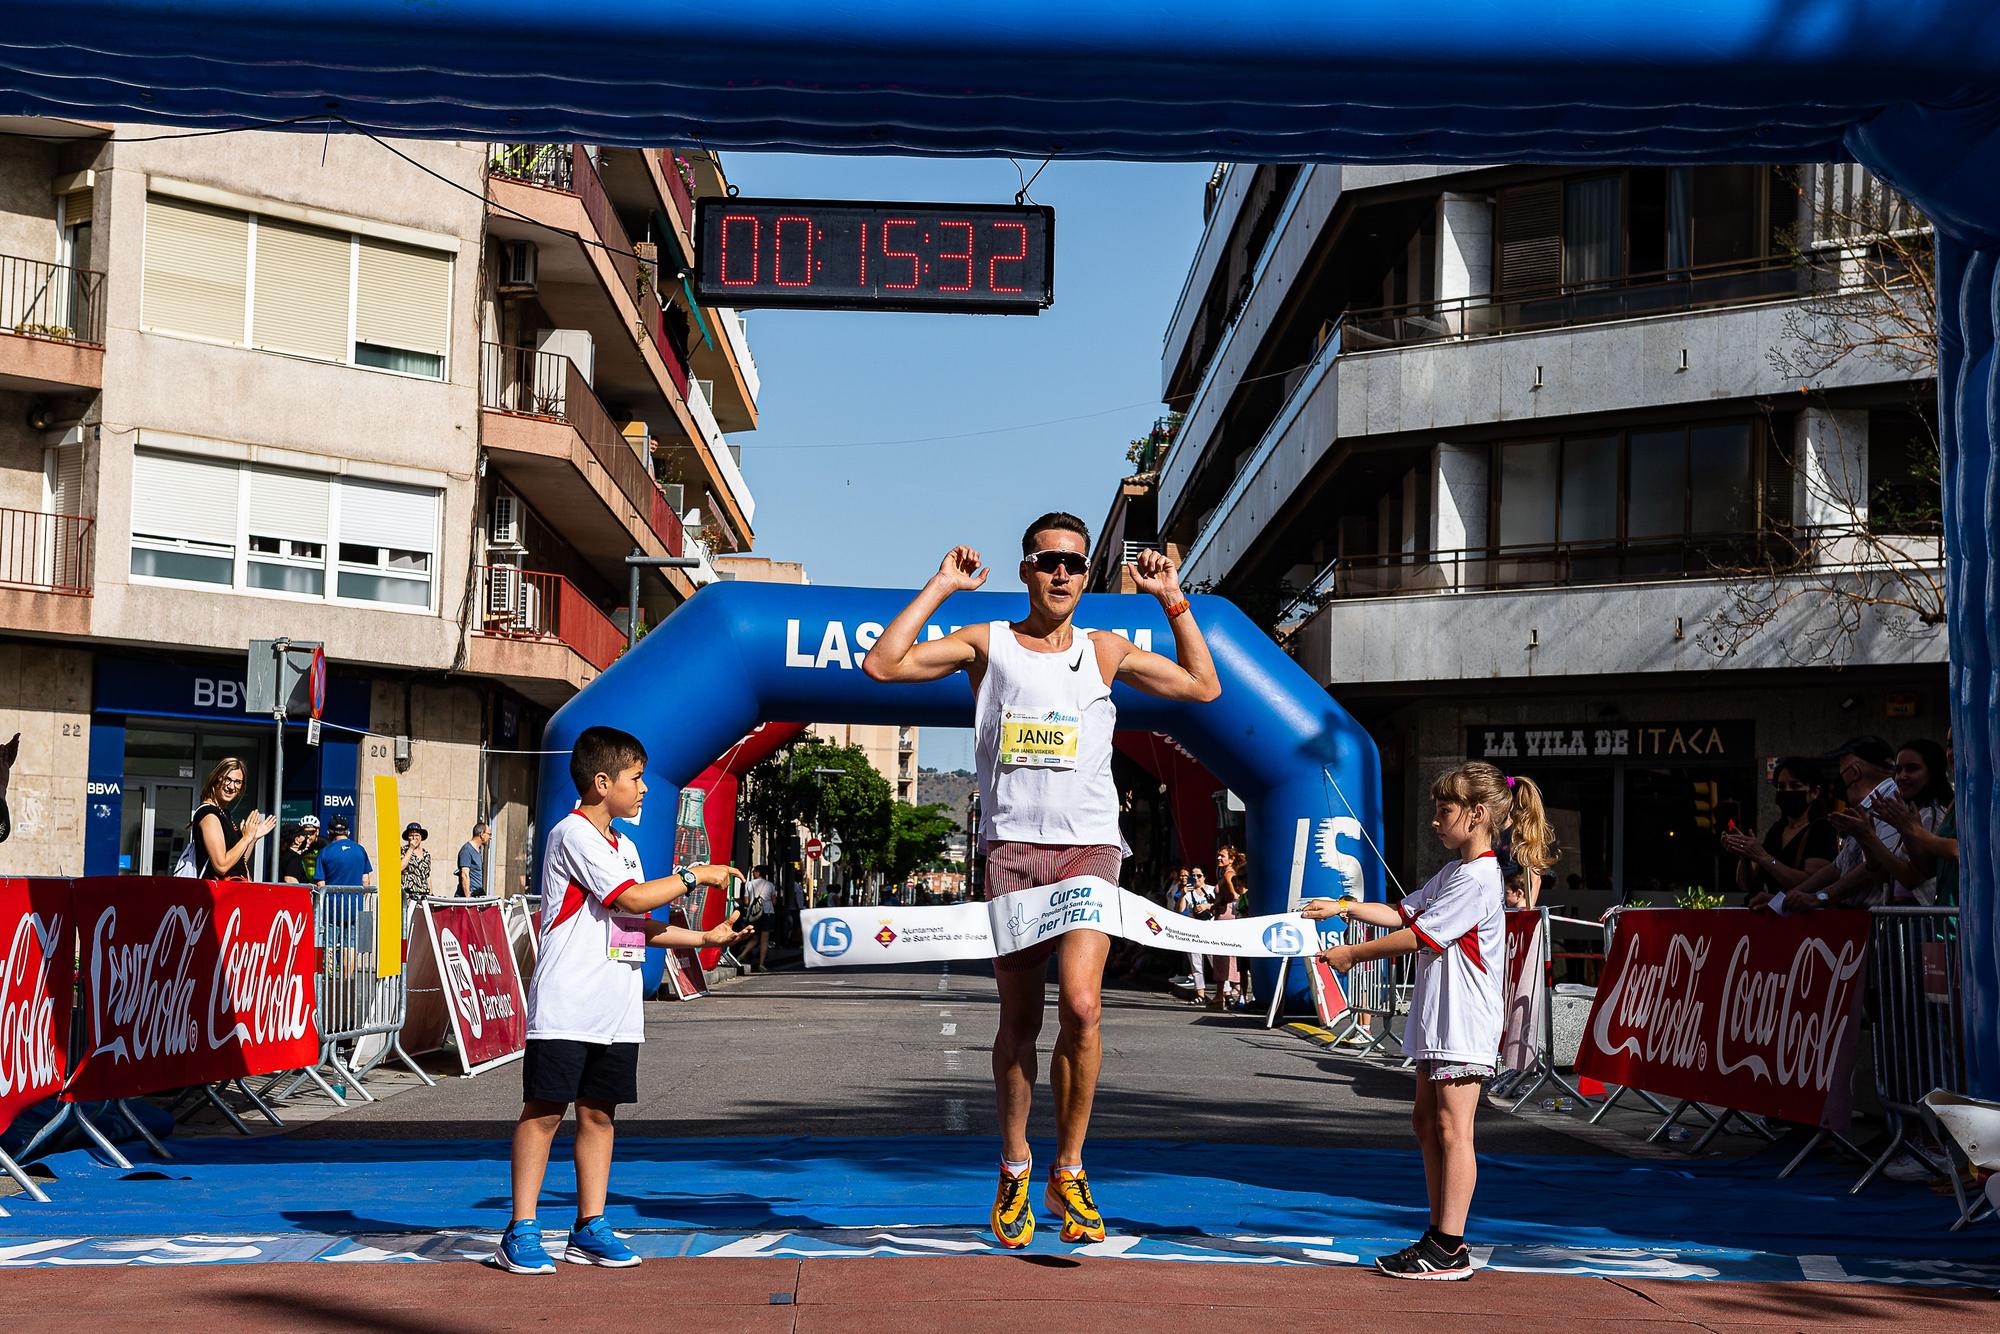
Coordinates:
839 254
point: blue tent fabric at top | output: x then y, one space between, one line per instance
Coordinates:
1909 87
1447 80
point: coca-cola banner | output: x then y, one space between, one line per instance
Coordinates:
1527 989
482 991
1734 1009
37 975
190 982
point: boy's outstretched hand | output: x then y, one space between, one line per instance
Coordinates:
1318 910
1340 958
715 876
726 933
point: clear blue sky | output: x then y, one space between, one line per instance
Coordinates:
883 515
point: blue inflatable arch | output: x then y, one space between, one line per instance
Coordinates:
1909 87
741 653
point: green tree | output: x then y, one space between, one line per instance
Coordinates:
854 804
916 838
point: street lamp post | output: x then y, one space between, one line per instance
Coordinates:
819 797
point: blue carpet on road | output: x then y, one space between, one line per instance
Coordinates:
279 1198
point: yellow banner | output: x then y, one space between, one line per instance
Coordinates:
388 878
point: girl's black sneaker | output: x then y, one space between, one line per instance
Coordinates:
1427 1260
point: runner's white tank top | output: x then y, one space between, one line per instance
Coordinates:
1042 725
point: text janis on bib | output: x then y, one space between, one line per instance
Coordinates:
1040 740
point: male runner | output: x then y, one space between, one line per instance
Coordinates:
1043 720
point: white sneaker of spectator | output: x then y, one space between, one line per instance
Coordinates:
1906 1166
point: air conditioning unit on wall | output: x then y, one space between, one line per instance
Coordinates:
518 266
503 524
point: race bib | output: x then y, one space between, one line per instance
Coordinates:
1039 740
628 940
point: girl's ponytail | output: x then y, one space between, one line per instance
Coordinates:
1534 840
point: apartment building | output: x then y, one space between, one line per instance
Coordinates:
890 748
415 406
1500 452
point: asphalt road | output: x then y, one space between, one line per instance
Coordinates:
906 1052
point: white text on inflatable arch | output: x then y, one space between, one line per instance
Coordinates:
844 648
1333 857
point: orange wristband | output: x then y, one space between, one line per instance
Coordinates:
1179 608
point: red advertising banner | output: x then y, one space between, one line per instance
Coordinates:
1329 1001
482 989
1527 992
190 982
1734 1009
37 978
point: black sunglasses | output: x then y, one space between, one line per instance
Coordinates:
1048 562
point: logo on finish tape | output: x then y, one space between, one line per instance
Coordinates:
831 938
1283 938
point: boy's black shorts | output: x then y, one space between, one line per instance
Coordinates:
562 1070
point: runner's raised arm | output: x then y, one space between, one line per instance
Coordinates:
898 656
1190 673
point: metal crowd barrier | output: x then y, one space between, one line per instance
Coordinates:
1916 1038
1543 1070
354 1002
1377 991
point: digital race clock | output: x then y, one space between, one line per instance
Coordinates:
841 254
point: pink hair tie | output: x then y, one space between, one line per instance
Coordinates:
1512 781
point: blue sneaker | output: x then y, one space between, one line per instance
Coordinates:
594 1243
521 1249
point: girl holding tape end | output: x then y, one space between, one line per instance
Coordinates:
1455 925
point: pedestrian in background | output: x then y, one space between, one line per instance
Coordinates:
1228 893
309 827
343 861
292 861
218 847
416 862
472 861
1800 842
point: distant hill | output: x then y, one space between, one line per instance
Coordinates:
951 788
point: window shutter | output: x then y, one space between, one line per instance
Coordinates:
179 495
66 474
289 504
78 206
382 514
404 297
302 290
1531 237
197 269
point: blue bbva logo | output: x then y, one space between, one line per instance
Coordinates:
831 938
1283 938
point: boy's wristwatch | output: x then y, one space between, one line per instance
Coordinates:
686 873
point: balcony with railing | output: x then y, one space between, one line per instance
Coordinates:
52 319
530 604
547 386
570 169
1680 292
46 565
46 553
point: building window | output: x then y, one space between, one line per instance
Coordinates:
272 530
1600 493
279 286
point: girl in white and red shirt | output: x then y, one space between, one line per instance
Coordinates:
1455 925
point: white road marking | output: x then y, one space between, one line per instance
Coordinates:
948 1031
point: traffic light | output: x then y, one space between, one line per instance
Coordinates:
1705 796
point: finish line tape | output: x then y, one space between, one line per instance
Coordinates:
841 937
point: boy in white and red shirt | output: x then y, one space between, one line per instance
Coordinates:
586 1004
1456 927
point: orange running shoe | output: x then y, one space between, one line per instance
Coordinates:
1013 1220
1069 1199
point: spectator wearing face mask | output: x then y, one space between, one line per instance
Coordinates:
1866 769
1798 843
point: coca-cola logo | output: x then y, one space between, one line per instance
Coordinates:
458 980
1652 1011
256 994
142 991
1787 1026
30 1048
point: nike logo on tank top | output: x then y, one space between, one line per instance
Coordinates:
1042 745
